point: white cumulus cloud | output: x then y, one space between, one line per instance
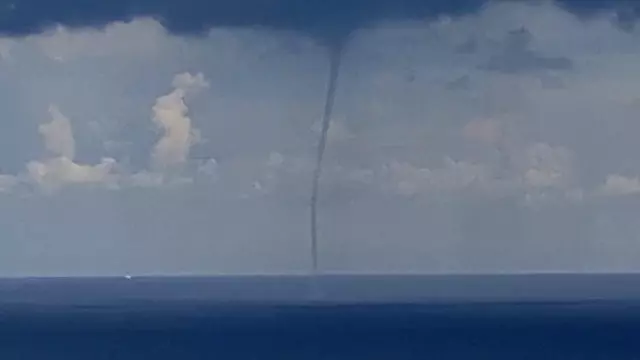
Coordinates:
617 185
170 115
58 135
56 172
60 169
548 167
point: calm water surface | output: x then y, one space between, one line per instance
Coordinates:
343 318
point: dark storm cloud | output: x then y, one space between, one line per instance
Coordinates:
313 17
517 57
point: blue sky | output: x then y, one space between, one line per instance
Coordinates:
156 137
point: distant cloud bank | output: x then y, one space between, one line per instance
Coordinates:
134 148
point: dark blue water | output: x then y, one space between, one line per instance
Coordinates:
507 331
343 318
357 332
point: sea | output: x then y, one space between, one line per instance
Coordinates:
534 316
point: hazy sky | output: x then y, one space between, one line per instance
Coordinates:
493 138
